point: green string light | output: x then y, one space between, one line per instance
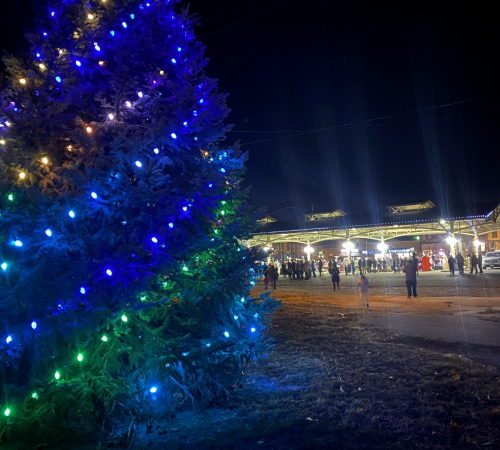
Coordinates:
185 268
57 375
104 338
34 395
80 357
7 412
124 318
10 197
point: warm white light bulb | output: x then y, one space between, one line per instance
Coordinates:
22 81
89 129
111 117
90 16
42 66
22 175
101 63
45 160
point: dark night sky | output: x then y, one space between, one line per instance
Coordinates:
309 65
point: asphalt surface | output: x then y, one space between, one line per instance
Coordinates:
461 309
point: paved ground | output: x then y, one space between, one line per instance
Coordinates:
464 309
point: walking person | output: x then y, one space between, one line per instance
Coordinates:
410 271
335 277
266 279
363 290
451 263
474 260
460 263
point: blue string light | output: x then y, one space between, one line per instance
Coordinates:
34 325
179 49
138 164
156 151
174 61
58 79
226 334
154 240
109 273
93 195
124 24
223 170
112 33
83 291
4 266
48 232
171 225
153 390
71 214
18 243
96 46
78 63
173 136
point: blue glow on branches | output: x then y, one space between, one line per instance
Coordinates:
93 195
153 389
173 136
8 340
140 94
185 124
209 344
138 164
154 240
48 232
58 79
71 214
210 185
174 61
195 113
132 16
201 100
18 243
34 325
124 24
109 273
184 208
179 49
83 291
45 34
38 55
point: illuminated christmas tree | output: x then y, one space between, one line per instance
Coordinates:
123 279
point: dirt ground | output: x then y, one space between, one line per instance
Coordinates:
332 382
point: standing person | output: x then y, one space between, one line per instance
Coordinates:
460 263
330 265
320 266
335 277
369 265
474 260
480 260
289 269
410 272
353 266
360 266
273 275
307 269
451 263
313 267
363 289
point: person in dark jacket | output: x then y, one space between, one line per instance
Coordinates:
473 262
335 272
410 272
451 263
460 263
320 266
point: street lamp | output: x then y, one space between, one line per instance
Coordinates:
308 249
382 247
477 243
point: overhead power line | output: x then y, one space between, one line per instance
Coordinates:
246 18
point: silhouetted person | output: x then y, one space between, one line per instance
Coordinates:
410 271
460 263
474 260
451 263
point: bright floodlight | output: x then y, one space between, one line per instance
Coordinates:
308 249
348 245
451 241
382 247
